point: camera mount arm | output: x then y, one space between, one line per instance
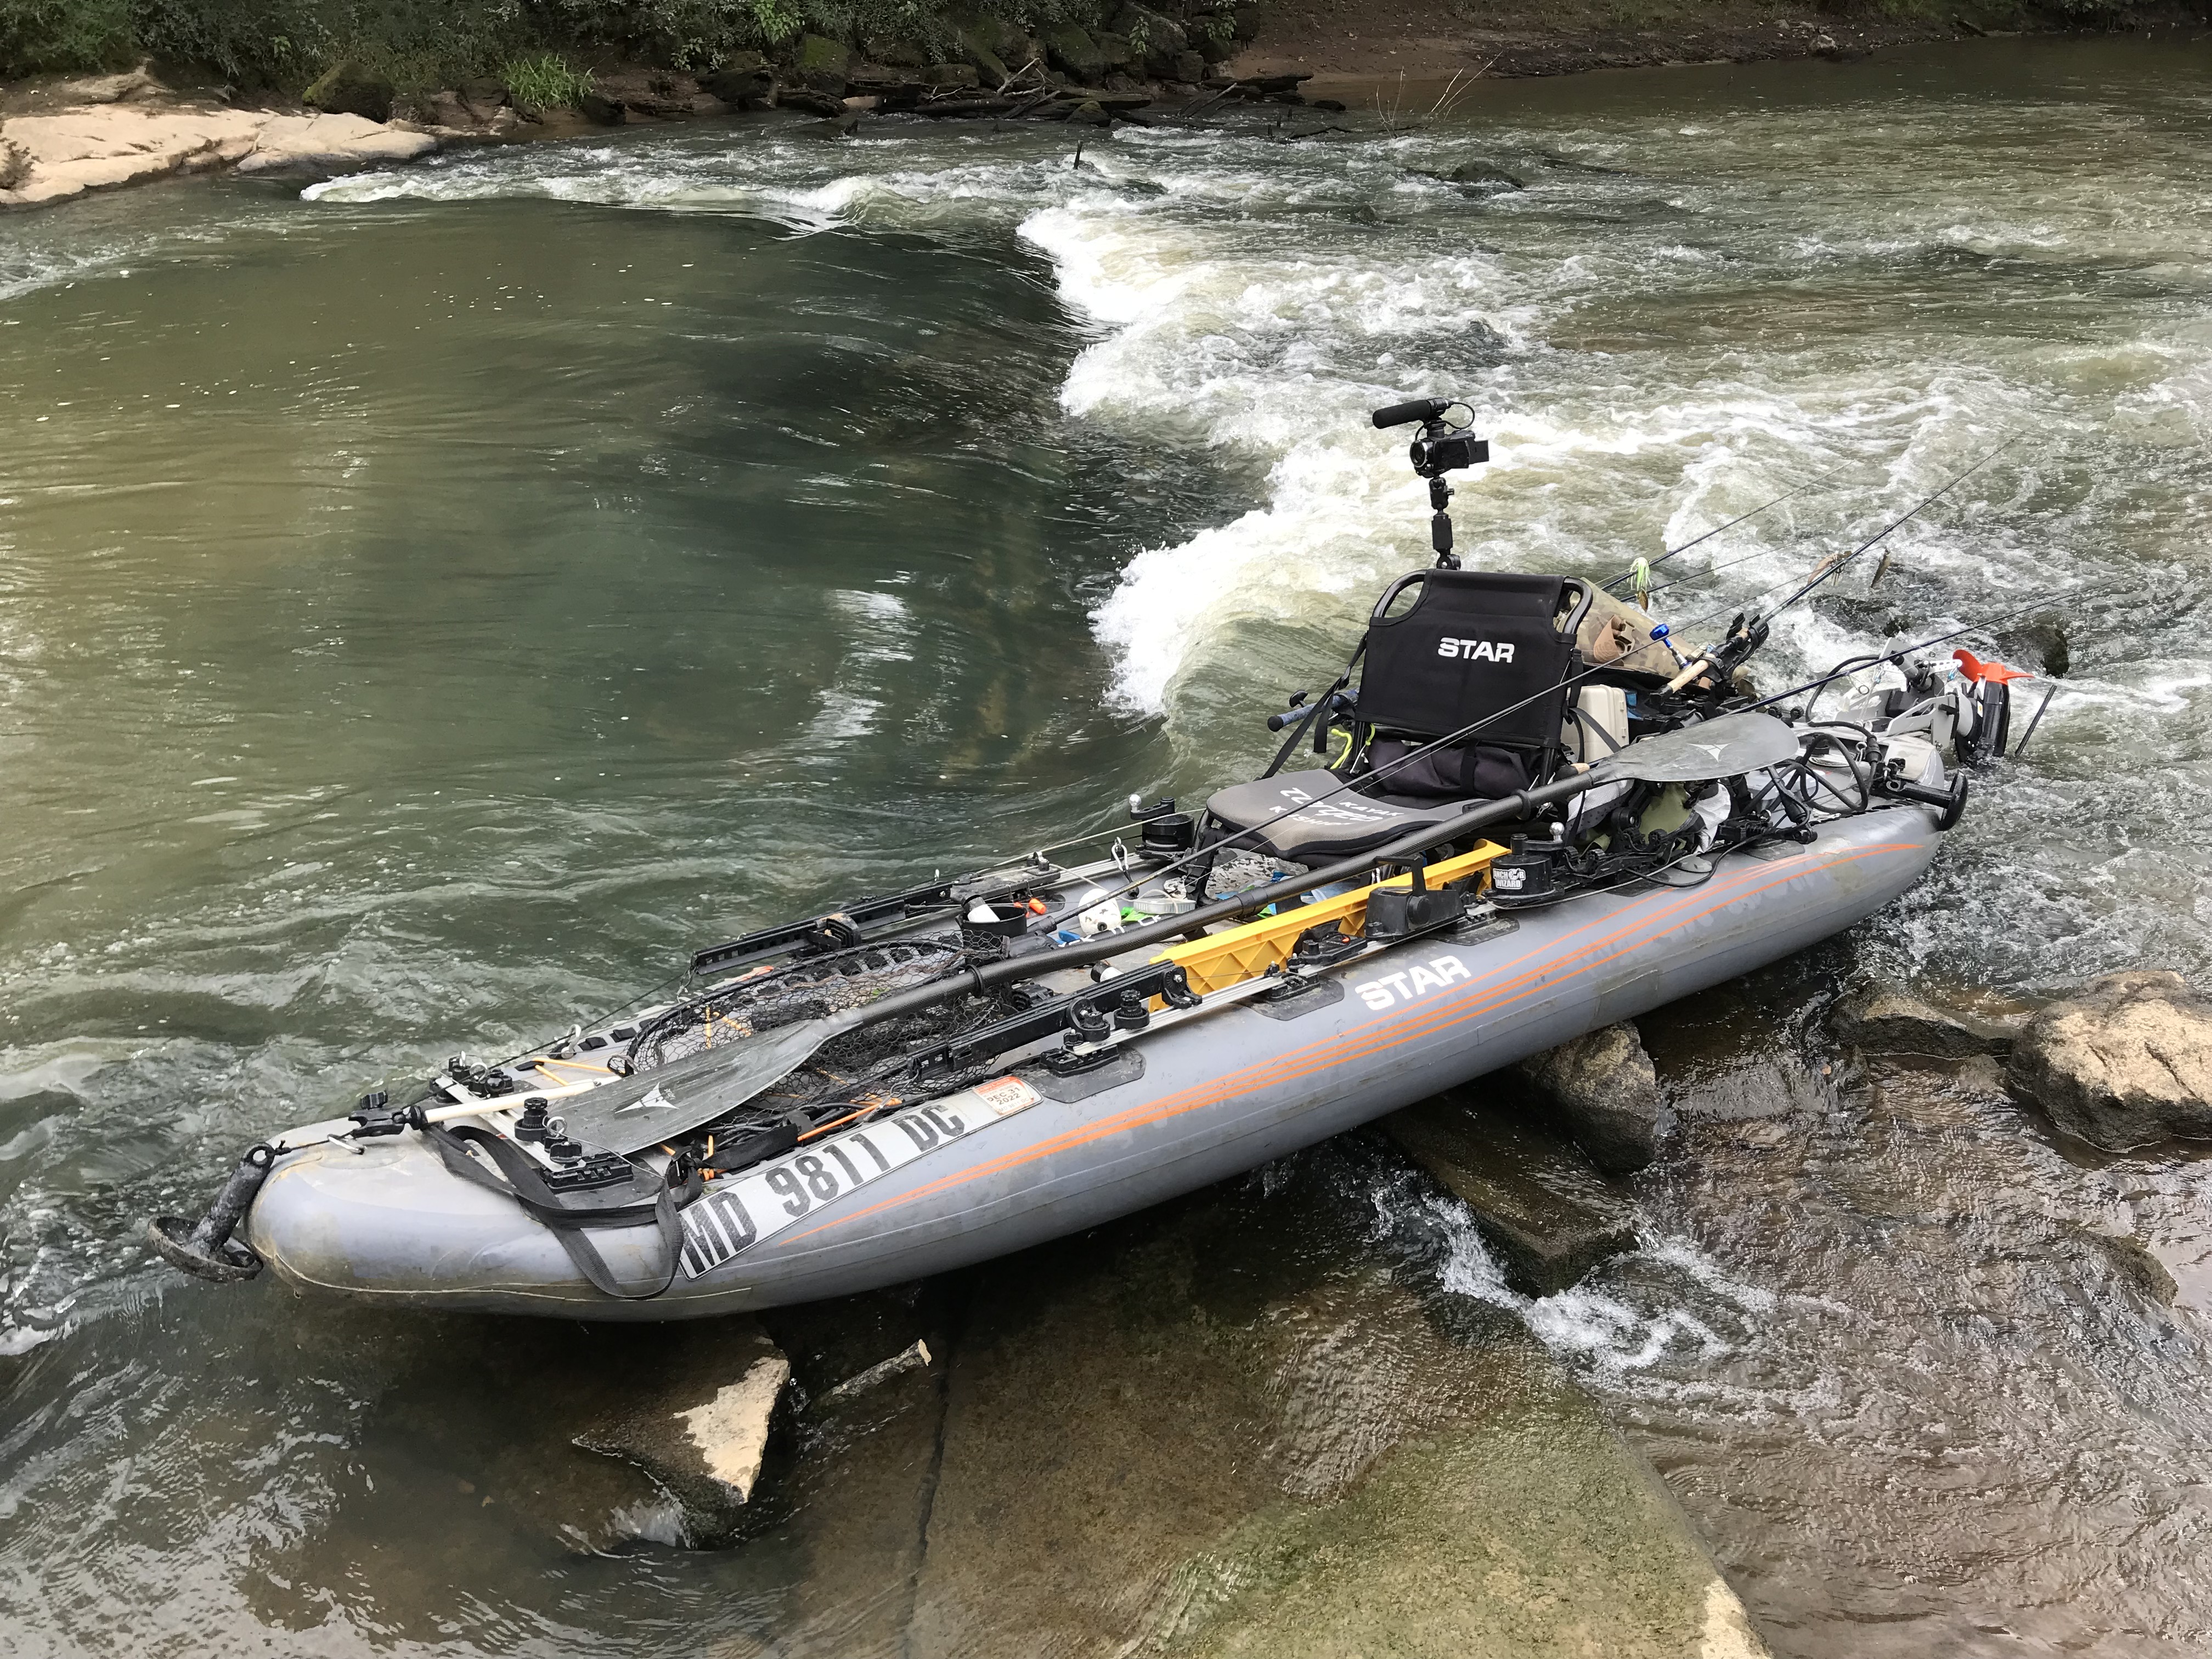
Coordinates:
1446 445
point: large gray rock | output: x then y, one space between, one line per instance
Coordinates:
2125 1063
700 1428
1547 1214
348 89
1603 1087
1885 1020
1073 52
1222 1431
741 82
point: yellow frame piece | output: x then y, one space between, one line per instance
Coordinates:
1237 954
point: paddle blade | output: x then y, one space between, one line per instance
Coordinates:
645 1110
1724 748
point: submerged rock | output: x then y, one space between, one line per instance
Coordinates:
2123 1063
702 1429
1603 1087
1537 1202
1887 1021
1476 177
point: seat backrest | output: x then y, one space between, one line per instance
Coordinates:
1474 642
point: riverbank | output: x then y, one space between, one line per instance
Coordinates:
62 137
129 129
1437 39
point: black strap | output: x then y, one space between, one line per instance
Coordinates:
567 1220
1320 706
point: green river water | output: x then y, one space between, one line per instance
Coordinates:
431 606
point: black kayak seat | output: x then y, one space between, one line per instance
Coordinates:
1341 826
1474 643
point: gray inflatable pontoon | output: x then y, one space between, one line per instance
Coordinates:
1256 1070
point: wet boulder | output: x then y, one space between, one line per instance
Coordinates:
1539 1206
950 75
1227 1429
1602 1088
1476 178
1887 1021
822 63
700 1428
347 89
2124 1063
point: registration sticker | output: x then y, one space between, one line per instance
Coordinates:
742 1210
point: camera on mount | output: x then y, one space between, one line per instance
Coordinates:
1446 445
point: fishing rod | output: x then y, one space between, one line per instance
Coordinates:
1714 659
1644 567
1860 665
1832 566
1747 634
1727 746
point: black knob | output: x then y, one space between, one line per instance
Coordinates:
1133 1013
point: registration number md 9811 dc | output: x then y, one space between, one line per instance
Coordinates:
740 1212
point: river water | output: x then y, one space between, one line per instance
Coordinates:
430 607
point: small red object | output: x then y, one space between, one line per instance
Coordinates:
1038 907
1977 671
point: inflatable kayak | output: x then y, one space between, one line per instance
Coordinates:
1530 818
1030 1154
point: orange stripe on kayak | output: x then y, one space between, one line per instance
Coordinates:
1389 1035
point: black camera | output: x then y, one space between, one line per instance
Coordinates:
1433 457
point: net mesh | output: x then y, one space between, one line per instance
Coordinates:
807 990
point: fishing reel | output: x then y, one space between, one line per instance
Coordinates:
1447 444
